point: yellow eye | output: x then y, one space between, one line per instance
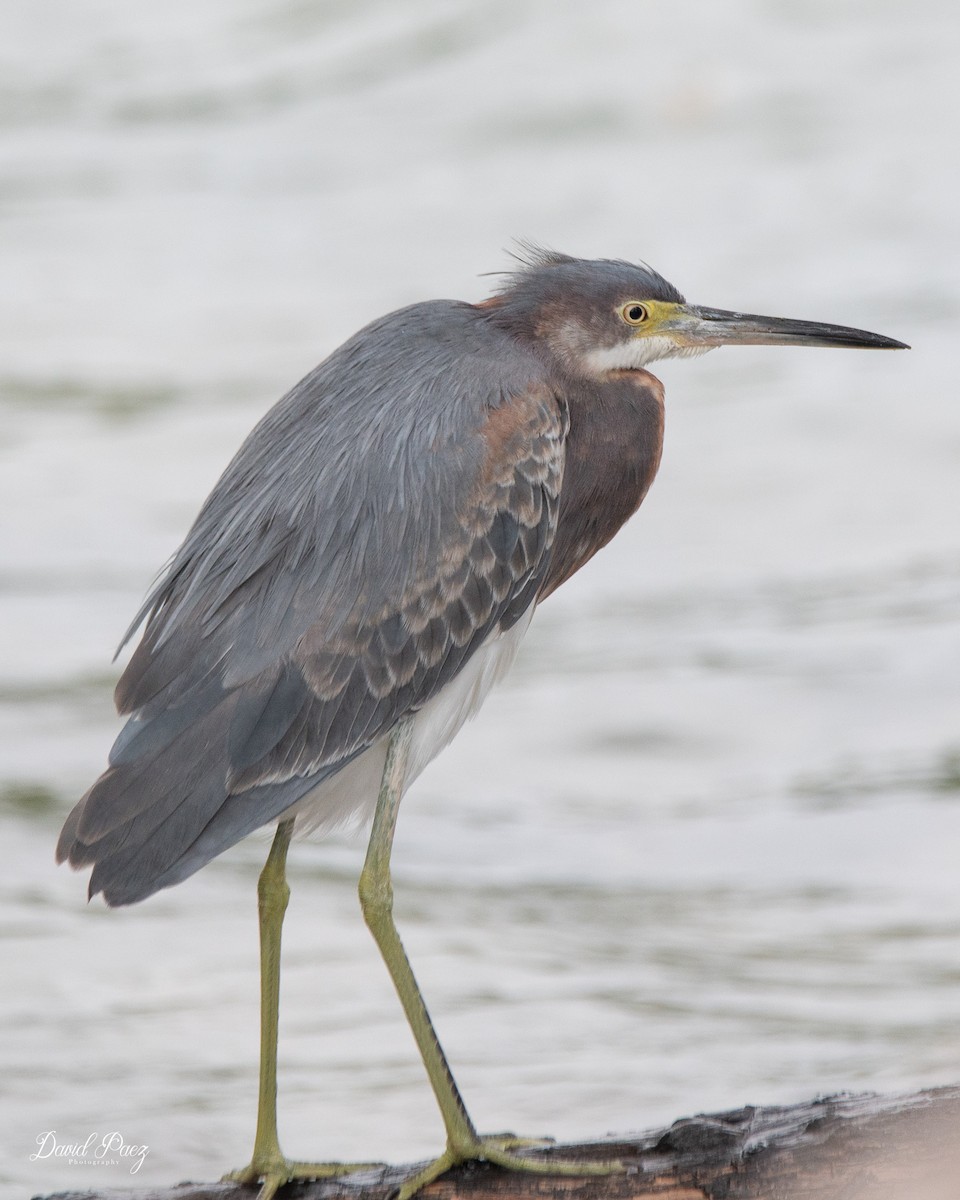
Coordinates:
635 313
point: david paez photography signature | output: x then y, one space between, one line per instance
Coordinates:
99 1150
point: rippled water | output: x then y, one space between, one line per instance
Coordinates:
701 849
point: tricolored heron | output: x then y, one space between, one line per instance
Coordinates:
360 577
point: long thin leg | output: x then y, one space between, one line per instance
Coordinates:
376 900
273 895
268 1162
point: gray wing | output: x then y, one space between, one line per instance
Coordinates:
391 512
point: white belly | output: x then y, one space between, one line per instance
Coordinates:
350 796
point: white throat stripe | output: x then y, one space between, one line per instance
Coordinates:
632 355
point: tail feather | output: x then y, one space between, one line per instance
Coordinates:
184 814
141 816
130 871
240 814
130 800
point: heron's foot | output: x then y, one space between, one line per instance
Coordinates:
501 1150
273 1172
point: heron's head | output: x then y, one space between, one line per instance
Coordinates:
603 316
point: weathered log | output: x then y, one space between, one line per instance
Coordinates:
835 1148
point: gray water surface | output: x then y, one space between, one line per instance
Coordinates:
701 849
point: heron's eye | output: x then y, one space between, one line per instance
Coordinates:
635 313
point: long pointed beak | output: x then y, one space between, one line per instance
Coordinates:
691 325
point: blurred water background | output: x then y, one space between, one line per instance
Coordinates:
702 848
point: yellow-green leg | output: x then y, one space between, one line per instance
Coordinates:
376 899
269 1166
